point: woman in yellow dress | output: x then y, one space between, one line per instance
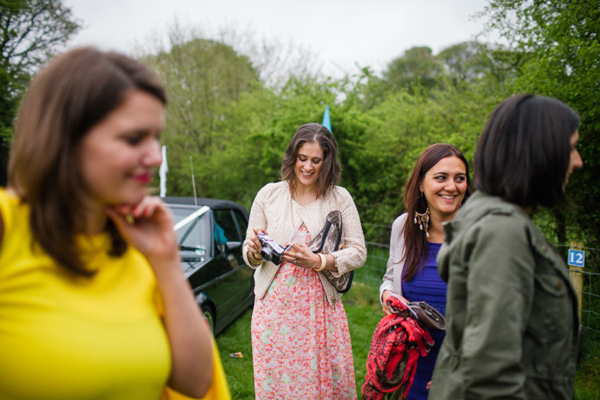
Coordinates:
93 301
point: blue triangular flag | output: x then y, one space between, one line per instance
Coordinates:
326 120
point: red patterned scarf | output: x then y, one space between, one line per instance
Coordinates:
397 342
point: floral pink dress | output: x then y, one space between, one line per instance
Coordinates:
300 343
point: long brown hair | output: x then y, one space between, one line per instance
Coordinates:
415 240
74 92
331 171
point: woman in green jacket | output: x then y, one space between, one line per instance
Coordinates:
512 311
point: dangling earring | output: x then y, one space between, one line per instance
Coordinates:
423 220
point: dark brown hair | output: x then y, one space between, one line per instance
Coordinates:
523 154
415 241
331 171
74 92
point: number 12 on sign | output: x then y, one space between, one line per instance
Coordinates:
576 258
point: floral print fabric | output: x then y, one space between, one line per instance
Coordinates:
301 344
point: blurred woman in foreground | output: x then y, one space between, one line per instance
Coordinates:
93 302
512 321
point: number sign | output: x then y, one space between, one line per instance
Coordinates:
576 258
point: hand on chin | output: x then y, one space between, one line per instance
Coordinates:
148 226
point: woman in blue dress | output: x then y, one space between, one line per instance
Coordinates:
438 185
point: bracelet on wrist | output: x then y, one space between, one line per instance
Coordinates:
323 262
253 260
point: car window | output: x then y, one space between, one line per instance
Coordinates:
195 235
241 222
225 228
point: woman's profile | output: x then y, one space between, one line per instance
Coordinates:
93 301
512 311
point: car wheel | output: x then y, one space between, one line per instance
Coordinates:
210 319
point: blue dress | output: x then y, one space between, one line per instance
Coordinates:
427 286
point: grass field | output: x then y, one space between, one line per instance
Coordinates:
587 381
363 312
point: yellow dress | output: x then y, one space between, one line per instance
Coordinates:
65 337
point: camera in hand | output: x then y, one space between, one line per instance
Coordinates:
270 251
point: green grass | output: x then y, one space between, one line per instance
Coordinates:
587 381
372 272
238 370
362 310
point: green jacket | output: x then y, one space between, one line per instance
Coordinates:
511 316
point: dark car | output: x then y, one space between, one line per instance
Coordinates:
210 234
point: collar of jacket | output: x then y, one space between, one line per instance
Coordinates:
480 205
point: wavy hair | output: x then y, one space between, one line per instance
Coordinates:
331 171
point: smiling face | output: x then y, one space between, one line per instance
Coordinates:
118 155
575 160
444 186
308 164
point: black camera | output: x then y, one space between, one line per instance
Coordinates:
270 251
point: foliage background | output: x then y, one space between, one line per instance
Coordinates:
235 102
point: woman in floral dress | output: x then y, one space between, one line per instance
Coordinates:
300 338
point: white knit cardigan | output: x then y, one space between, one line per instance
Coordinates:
392 280
272 210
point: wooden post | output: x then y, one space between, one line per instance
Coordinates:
576 275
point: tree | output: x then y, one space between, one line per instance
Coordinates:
477 63
203 78
30 32
416 67
465 62
227 96
562 39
